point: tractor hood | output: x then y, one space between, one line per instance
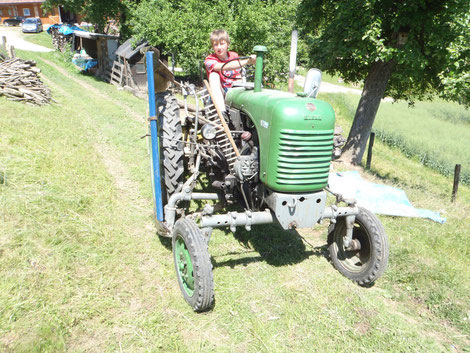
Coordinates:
295 134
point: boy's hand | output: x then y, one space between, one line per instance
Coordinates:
252 59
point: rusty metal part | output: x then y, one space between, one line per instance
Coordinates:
246 136
354 245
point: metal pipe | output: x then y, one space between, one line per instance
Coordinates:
154 139
333 212
237 219
292 61
259 50
170 208
349 231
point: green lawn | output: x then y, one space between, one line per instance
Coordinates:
42 38
434 133
83 270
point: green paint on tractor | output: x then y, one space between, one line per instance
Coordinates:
295 137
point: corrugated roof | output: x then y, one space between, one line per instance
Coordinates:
17 2
85 34
126 51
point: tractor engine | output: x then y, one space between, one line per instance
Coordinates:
284 145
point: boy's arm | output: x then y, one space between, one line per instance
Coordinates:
235 64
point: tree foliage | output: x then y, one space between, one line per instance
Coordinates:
183 28
97 12
348 36
417 48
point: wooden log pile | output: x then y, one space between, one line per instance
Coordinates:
59 40
19 81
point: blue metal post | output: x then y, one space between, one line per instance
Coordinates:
154 138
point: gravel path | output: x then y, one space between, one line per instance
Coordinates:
14 37
326 87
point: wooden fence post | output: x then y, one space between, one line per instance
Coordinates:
11 51
369 151
456 182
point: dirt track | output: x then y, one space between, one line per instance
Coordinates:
14 38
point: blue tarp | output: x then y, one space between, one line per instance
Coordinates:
84 63
377 198
65 29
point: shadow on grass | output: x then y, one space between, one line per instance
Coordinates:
166 242
275 246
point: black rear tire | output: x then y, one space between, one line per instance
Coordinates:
171 144
193 265
366 265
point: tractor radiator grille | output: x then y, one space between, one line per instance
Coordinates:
304 157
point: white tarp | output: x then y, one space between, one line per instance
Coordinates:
377 198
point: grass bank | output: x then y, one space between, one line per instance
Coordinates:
42 38
83 270
434 133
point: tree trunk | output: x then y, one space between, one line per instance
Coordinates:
374 89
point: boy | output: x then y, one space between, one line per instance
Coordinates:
214 62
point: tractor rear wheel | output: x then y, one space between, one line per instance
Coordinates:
193 265
368 263
171 144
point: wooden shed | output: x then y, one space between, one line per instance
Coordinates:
129 68
101 47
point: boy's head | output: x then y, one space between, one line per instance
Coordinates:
220 41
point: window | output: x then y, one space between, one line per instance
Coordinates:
26 12
9 12
140 68
1 12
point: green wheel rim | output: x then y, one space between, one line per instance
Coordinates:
184 266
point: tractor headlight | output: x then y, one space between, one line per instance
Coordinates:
208 131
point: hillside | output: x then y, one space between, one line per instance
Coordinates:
83 270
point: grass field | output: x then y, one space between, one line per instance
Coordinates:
83 270
42 38
434 133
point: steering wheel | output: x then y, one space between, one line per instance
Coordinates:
234 59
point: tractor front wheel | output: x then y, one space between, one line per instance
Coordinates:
193 265
366 264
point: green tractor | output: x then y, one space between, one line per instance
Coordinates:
270 155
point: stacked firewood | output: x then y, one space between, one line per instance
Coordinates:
59 40
19 81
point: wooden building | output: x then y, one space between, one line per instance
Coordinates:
32 8
129 67
101 47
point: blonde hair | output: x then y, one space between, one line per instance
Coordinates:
218 35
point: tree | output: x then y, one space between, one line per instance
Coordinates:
97 12
406 49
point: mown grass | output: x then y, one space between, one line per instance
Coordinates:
82 269
42 38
